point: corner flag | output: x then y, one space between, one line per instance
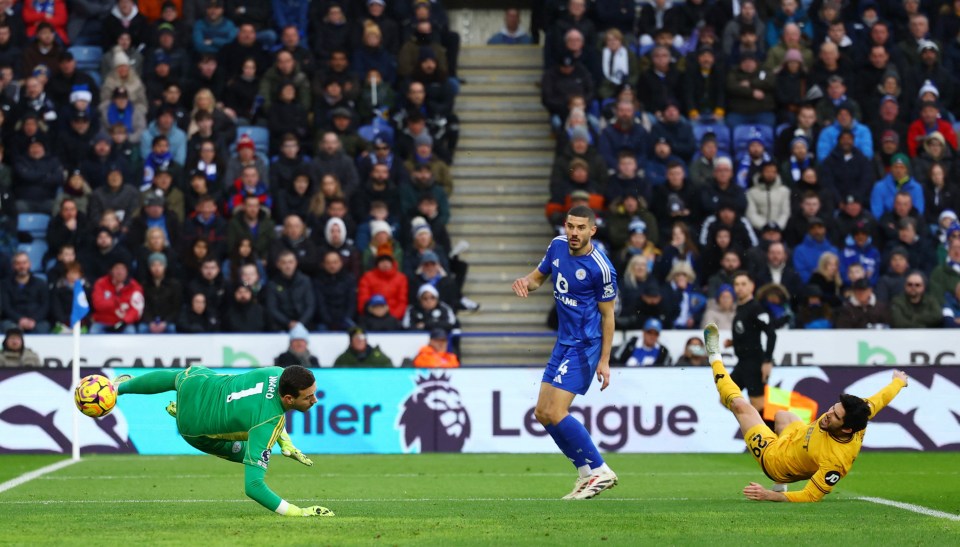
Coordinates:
80 305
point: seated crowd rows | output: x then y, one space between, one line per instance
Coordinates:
812 144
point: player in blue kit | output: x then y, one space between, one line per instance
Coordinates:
585 287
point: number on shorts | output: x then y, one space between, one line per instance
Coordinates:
760 443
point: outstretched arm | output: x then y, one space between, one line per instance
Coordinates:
883 397
523 286
819 485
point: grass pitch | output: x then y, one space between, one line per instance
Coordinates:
686 499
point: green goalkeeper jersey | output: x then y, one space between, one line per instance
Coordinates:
237 407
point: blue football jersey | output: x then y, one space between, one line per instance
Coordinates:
579 283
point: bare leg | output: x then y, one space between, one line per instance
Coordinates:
782 419
553 404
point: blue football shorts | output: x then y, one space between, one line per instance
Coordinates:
572 368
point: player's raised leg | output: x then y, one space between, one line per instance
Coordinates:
730 395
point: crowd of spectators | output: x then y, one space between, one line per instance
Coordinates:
811 143
228 165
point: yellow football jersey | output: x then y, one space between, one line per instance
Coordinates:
808 452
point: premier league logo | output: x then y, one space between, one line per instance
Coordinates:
433 415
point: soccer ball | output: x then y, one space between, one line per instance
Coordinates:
95 396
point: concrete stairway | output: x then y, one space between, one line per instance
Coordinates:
501 185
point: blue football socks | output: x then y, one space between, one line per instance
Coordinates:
581 448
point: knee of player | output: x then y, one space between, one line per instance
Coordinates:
545 416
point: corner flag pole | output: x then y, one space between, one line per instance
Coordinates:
76 381
80 309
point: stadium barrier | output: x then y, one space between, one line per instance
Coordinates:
210 350
794 347
486 410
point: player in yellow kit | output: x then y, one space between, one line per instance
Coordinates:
822 451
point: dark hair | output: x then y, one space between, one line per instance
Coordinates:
159 139
858 412
295 379
584 212
742 273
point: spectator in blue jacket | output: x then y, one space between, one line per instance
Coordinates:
897 180
625 133
790 12
165 125
859 249
213 31
655 168
676 130
511 34
807 254
845 122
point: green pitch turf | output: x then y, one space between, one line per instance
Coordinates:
472 499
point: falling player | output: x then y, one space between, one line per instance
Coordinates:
237 417
584 287
822 451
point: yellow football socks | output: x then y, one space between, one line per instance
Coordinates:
728 390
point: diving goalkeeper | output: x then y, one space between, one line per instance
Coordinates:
822 451
237 417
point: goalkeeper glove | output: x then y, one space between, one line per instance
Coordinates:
290 451
313 511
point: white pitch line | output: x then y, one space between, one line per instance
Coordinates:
340 500
30 475
911 507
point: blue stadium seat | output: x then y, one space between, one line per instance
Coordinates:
34 224
370 132
35 251
87 57
743 134
260 136
719 129
781 128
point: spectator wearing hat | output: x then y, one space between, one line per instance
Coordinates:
170 38
162 295
792 38
412 51
37 177
244 312
289 295
931 70
435 354
750 93
792 83
947 228
14 353
621 213
859 249
370 54
377 317
845 122
638 243
798 160
122 74
361 354
44 49
251 221
862 309
384 278
153 214
850 213
297 353
131 55
381 241
892 282
120 110
896 181
559 83
650 352
68 80
246 156
424 153
117 302
768 199
704 87
889 145
807 254
686 303
428 312
928 122
916 308
421 243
